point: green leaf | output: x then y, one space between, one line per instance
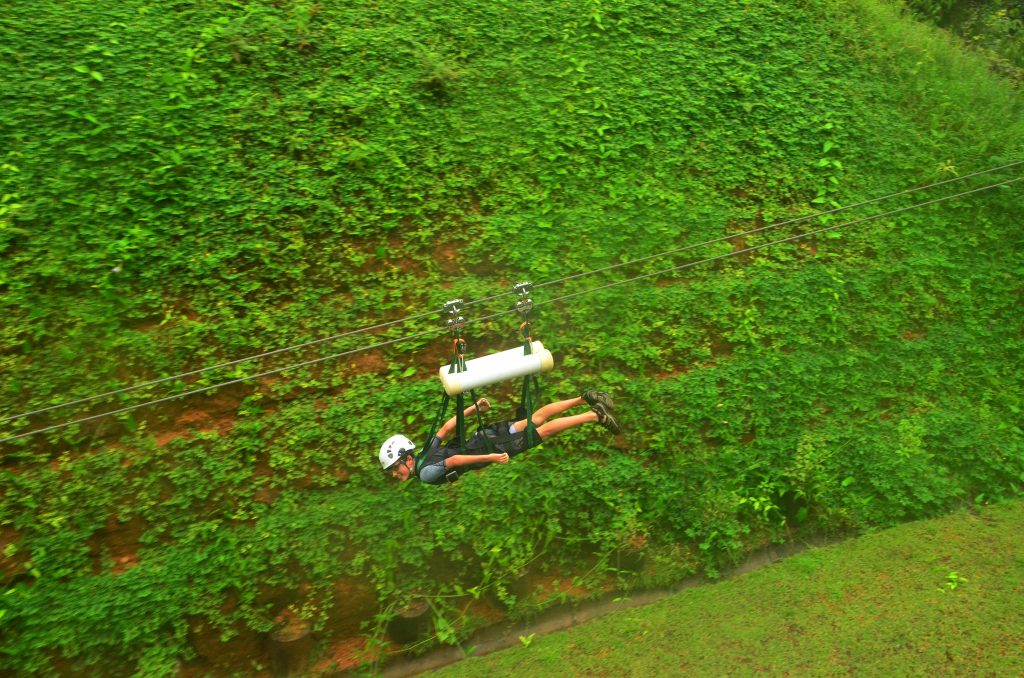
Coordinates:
96 75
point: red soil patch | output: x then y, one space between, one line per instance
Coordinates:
267 495
368 361
545 587
447 258
720 347
354 601
669 374
345 656
239 650
10 566
164 437
485 610
118 541
620 443
124 563
190 421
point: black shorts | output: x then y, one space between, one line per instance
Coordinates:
502 440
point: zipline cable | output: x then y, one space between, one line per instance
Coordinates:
501 295
221 385
776 242
175 377
766 227
770 226
419 316
508 312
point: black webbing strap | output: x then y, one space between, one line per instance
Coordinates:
488 445
439 419
441 411
459 362
529 397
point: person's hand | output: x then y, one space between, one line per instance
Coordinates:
483 404
501 458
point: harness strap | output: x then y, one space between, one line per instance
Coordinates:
527 397
488 445
433 432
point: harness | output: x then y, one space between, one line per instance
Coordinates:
530 390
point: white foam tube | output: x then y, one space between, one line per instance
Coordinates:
490 369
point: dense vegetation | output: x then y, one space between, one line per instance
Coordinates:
993 28
191 182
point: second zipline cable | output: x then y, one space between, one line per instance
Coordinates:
499 314
315 342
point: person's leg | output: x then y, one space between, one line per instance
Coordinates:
548 411
556 426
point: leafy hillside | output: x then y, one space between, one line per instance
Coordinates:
191 182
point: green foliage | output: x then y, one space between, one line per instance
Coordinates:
994 29
188 183
936 10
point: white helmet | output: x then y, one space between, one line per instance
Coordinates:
394 450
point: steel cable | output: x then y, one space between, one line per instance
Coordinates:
777 242
220 385
419 316
162 380
771 226
503 313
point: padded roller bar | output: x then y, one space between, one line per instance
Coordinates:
490 369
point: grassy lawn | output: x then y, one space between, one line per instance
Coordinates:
936 597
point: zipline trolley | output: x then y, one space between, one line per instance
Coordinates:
463 376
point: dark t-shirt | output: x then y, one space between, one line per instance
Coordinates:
432 469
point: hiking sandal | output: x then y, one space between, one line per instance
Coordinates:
605 418
593 398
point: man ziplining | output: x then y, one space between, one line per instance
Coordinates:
444 460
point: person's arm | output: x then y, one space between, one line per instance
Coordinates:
457 460
448 429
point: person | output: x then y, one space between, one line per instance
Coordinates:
445 459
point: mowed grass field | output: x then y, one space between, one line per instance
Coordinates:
935 597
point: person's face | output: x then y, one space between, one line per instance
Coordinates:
403 469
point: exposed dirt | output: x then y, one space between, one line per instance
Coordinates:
354 601
446 256
720 346
345 656
668 374
546 587
212 652
13 565
368 361
118 541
